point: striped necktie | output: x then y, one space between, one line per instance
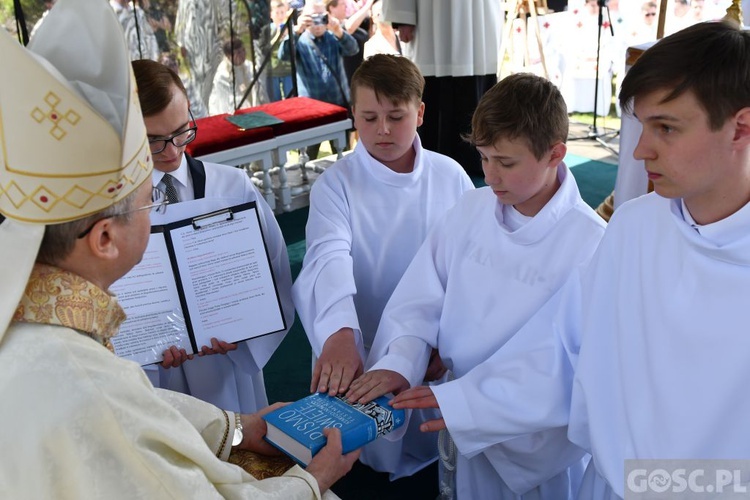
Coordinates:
169 189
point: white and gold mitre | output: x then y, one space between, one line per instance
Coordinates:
72 137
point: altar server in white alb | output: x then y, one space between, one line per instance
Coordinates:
648 357
76 190
232 377
369 213
483 271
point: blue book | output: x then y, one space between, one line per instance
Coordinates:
297 429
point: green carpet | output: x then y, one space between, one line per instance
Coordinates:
596 179
287 374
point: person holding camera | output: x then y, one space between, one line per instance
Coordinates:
321 44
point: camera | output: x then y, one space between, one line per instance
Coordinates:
320 19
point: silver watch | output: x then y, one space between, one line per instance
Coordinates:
238 434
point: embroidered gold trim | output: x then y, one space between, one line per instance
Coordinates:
57 297
226 436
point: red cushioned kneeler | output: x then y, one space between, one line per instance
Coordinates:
216 133
300 113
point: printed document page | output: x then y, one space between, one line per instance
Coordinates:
226 277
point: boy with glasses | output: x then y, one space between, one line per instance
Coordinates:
233 380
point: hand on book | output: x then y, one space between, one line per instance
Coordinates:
329 465
420 397
338 364
376 383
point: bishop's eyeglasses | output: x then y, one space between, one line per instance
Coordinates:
158 205
178 140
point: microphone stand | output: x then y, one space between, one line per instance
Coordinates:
594 133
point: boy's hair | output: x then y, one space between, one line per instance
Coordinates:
711 60
391 77
521 106
232 45
154 81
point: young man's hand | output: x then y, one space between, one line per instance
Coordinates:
375 383
217 347
338 364
420 397
329 465
175 357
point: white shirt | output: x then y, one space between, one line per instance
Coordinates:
453 37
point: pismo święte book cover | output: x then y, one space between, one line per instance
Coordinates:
297 429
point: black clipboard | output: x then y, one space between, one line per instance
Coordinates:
202 277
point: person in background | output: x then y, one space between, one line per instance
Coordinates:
100 429
279 80
159 22
384 40
321 43
680 17
357 23
455 44
644 30
697 13
197 108
233 79
198 34
139 34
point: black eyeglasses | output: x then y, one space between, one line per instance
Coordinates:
178 140
159 206
649 14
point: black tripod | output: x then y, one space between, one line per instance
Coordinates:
594 133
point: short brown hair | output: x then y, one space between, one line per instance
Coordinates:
394 77
155 81
711 60
231 45
521 106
